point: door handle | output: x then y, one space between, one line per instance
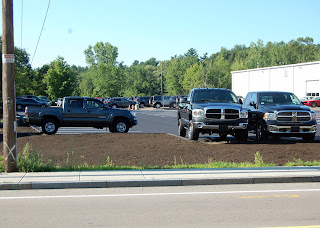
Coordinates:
89 111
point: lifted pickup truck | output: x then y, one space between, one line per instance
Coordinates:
279 114
208 110
80 112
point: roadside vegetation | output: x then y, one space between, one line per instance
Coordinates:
105 76
32 161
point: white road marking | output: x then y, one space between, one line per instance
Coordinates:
155 194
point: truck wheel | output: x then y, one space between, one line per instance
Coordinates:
313 104
141 105
120 126
173 105
309 137
193 134
261 131
19 107
49 126
158 105
181 130
241 135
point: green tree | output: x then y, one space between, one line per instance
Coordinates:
60 79
101 53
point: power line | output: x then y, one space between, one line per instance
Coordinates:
41 32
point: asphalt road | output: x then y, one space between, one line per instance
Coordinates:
260 205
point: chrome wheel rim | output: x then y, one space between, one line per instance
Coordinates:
50 127
121 127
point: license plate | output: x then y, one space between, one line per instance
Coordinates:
223 127
295 129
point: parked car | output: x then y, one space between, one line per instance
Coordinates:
306 98
163 101
120 102
313 102
142 101
273 113
21 103
80 112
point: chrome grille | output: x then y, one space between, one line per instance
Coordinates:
293 116
228 114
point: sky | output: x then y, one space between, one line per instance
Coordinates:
142 29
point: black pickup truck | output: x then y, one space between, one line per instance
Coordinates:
209 110
80 112
273 113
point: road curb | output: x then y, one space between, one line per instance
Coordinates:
155 183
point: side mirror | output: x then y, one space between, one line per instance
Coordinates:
254 104
240 101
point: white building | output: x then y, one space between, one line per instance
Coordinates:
302 79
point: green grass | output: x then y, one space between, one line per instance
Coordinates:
32 161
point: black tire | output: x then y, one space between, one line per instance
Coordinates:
158 105
181 129
120 126
261 131
19 107
309 137
193 134
241 135
49 126
313 104
141 106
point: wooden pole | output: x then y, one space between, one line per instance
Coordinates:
8 89
161 79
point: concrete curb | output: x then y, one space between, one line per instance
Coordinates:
155 183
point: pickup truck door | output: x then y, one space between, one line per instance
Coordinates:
74 113
96 113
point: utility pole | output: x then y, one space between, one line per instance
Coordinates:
8 89
161 79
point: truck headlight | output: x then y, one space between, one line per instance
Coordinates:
244 114
313 115
198 113
270 116
134 114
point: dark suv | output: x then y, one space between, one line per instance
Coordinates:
143 101
120 102
279 114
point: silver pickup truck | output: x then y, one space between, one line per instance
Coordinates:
80 112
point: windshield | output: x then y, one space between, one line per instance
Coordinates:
215 96
278 98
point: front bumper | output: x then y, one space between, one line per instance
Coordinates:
294 130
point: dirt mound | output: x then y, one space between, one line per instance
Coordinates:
157 149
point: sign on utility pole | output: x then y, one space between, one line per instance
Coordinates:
8 89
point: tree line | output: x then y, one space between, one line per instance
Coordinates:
104 76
